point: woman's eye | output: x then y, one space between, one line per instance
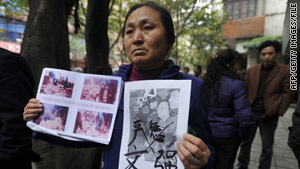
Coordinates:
129 32
148 27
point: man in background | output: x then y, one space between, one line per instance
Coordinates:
16 88
186 70
197 70
270 95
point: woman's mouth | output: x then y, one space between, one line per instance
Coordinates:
139 52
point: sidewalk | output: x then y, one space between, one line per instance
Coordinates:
283 157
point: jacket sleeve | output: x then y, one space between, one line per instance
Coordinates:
16 88
287 94
243 111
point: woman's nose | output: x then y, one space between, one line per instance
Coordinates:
138 37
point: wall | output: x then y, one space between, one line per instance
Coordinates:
275 14
243 28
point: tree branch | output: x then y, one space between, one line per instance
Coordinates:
186 19
111 7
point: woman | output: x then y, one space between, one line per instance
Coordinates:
230 115
148 36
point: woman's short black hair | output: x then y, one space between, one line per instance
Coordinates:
164 15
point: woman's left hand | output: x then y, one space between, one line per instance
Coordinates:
193 152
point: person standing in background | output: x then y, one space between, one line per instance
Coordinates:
16 88
186 70
269 93
197 70
230 115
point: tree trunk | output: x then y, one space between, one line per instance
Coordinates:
97 42
46 42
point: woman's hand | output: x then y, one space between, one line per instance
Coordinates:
33 109
193 152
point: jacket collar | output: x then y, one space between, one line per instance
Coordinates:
275 70
170 70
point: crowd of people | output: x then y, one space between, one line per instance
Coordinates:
224 112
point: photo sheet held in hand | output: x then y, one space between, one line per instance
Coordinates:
155 117
77 106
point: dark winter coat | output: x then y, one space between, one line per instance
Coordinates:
231 116
16 88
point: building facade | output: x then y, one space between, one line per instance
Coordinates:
11 32
248 19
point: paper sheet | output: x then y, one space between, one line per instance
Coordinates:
155 117
77 106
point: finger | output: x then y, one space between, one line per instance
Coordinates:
192 145
187 158
33 106
196 147
195 141
28 117
32 103
182 153
34 111
34 100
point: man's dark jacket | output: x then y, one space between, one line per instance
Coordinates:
277 94
16 88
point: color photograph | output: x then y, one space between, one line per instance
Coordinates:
56 83
54 117
91 123
100 90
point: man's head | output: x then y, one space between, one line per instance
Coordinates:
186 70
198 69
268 51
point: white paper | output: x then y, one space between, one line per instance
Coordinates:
155 117
77 106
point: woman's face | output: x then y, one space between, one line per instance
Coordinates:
236 68
145 39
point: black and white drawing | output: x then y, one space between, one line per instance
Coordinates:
153 117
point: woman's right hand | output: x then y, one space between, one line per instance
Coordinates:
33 109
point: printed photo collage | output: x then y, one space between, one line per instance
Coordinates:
77 106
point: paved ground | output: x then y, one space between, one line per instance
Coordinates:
283 157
